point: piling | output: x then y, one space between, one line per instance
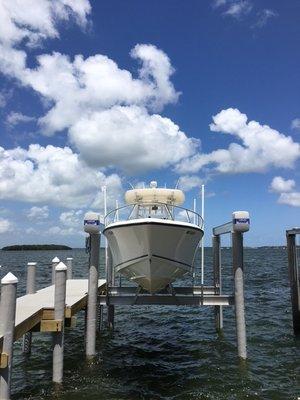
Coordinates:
216 243
91 319
55 262
70 268
30 289
59 316
110 280
294 278
238 267
7 326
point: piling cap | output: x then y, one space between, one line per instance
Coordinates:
70 258
9 279
55 260
61 267
31 263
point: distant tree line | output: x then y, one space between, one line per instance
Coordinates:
36 247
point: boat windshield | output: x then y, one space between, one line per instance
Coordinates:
162 211
153 210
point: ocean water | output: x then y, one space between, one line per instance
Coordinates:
159 352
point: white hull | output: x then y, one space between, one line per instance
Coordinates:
153 252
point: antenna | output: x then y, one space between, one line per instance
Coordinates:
130 185
105 213
176 186
202 241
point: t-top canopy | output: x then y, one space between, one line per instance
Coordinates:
155 195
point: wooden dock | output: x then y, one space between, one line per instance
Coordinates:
35 311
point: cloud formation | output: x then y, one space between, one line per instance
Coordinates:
290 199
15 118
261 147
240 9
31 21
188 182
280 185
109 114
51 175
38 213
295 124
285 188
5 225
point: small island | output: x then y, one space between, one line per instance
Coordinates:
21 247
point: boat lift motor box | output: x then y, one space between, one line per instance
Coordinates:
240 221
92 223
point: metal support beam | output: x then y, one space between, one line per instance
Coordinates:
294 279
238 267
222 229
177 300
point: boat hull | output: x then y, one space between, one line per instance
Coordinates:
151 253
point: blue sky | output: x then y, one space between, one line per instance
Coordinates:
105 93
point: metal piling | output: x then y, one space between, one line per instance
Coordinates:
91 320
216 243
30 289
294 277
7 326
238 267
59 315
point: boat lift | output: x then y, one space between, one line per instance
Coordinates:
117 295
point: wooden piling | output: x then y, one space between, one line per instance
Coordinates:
238 267
294 280
7 326
91 319
59 316
30 289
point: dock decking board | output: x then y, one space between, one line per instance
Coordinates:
32 308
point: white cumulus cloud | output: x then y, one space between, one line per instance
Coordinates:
72 218
5 225
51 175
34 20
280 185
109 113
188 182
290 199
38 213
261 147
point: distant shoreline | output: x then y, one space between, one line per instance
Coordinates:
22 247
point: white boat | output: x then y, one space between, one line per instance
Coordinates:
154 246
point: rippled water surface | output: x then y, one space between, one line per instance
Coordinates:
170 352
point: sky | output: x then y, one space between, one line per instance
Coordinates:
114 93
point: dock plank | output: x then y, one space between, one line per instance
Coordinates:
32 308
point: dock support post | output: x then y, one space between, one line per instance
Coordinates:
294 281
70 268
59 314
91 323
216 243
30 289
110 281
7 326
238 267
55 262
